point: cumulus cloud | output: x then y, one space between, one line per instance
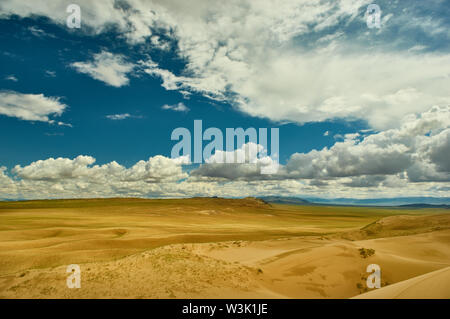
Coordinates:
80 177
418 151
350 158
250 162
421 170
317 87
262 56
180 107
295 61
112 69
411 160
55 169
156 169
31 107
270 77
7 185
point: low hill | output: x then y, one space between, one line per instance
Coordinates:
401 225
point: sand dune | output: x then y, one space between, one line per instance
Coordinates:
318 268
285 268
429 286
221 249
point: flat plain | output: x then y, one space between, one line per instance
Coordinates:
220 248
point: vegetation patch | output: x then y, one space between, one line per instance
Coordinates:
366 252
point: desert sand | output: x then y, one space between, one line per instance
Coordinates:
433 285
220 248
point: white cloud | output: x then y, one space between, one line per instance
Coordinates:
250 162
59 123
81 168
55 169
51 74
246 52
30 107
252 54
409 161
37 32
123 116
417 152
118 117
11 78
419 149
8 188
107 67
180 107
376 88
252 57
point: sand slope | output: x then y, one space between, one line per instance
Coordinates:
320 268
219 249
433 285
285 268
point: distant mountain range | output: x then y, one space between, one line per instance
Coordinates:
285 200
418 202
406 202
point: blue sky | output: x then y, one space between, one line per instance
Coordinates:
29 57
362 112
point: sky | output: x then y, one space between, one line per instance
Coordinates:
88 112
